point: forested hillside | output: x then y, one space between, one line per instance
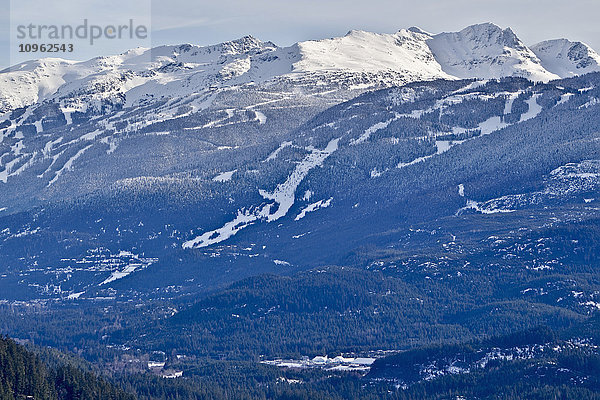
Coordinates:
23 375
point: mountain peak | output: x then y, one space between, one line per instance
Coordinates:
416 29
491 33
360 33
483 26
487 51
566 58
246 44
403 53
247 40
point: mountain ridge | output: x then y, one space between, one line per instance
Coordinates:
482 51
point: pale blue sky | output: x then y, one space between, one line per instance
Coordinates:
285 22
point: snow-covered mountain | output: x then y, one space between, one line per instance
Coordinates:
56 115
486 51
358 60
406 52
140 75
565 58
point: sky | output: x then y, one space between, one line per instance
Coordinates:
285 22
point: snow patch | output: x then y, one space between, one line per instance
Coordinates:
262 118
479 207
74 296
367 134
534 108
284 193
313 207
274 154
68 165
225 176
131 268
282 198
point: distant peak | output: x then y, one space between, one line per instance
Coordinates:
484 26
247 39
574 48
416 29
510 38
357 32
567 58
558 42
490 29
492 33
246 44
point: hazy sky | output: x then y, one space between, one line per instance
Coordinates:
285 22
